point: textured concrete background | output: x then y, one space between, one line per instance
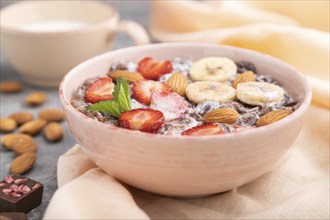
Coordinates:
45 168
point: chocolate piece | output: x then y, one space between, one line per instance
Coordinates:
19 194
13 216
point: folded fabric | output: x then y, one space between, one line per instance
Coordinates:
93 195
178 16
297 190
305 48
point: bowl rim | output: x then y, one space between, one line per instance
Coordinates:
300 110
114 17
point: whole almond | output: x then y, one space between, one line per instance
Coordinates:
22 163
53 131
10 86
272 117
32 127
7 125
25 145
22 117
35 98
247 76
51 115
178 83
8 141
221 115
127 75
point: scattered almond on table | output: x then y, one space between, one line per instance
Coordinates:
53 131
23 143
35 98
9 141
7 125
10 86
23 163
21 117
32 127
51 115
24 146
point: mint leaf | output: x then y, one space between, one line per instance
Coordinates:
121 100
122 94
108 107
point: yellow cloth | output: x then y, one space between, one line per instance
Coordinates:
243 24
297 190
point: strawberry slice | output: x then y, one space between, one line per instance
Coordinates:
205 129
171 104
153 69
100 90
239 128
143 89
142 119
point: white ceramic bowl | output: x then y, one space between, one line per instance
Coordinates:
184 165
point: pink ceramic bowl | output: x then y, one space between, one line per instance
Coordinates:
186 166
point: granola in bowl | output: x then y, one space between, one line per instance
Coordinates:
210 96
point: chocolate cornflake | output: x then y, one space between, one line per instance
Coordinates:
248 119
267 79
243 66
119 65
288 101
205 107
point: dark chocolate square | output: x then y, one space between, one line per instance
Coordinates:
13 216
19 194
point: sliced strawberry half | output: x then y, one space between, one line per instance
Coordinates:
239 128
143 89
153 69
171 104
142 119
205 129
100 90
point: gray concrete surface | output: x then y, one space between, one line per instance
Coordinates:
45 168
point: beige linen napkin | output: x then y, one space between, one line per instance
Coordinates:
86 192
297 190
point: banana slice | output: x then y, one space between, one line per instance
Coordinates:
202 91
218 69
259 93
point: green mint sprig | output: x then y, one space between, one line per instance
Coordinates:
121 100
